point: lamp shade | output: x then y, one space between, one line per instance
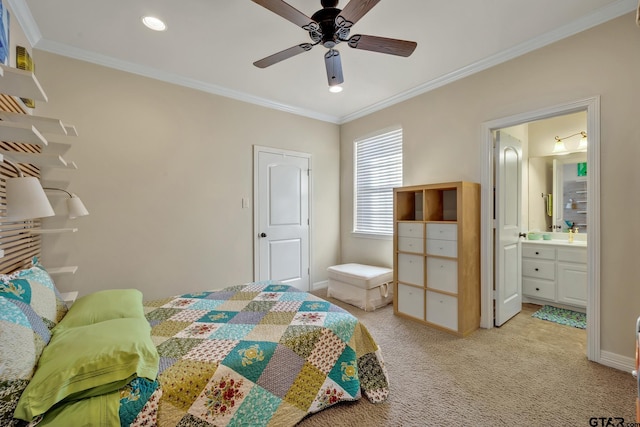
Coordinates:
583 145
75 207
26 199
559 147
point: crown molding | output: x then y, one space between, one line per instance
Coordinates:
602 15
613 10
22 14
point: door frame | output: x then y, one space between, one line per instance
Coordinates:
592 107
256 206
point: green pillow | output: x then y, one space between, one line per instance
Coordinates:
103 305
98 410
87 361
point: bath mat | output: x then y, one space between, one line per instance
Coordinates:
562 316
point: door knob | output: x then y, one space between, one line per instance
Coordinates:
263 234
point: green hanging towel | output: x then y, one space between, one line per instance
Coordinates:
550 204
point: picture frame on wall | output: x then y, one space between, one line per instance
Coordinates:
4 34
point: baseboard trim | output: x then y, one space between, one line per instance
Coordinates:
617 361
319 285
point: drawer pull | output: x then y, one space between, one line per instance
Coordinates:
537 269
537 289
537 253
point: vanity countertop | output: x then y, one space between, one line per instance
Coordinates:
557 242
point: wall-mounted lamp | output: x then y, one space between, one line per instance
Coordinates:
583 144
25 197
75 207
560 148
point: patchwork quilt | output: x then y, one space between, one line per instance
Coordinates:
261 354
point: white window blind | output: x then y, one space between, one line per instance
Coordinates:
377 170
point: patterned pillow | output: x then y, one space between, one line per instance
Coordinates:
23 335
33 286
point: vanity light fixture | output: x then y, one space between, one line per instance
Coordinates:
75 207
583 144
560 148
25 197
154 23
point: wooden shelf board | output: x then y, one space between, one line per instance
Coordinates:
58 148
52 230
43 124
38 159
21 132
70 129
70 269
23 84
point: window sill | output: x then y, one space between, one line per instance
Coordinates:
371 236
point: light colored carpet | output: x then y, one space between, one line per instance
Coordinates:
528 372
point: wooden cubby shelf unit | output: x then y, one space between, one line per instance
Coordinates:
436 248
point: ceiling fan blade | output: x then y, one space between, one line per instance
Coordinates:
334 67
353 11
382 45
289 13
282 55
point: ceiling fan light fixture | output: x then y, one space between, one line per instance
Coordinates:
328 27
154 23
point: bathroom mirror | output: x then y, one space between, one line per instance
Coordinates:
558 192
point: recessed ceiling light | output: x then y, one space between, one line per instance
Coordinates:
335 89
154 23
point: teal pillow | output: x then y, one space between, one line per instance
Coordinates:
87 361
34 286
23 336
103 305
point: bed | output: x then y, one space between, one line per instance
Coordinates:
259 354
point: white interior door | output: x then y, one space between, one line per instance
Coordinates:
281 206
508 268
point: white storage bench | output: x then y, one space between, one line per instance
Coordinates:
364 286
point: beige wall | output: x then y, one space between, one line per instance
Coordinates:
163 170
442 131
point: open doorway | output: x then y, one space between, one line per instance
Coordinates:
591 107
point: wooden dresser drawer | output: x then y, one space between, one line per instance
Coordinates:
411 269
442 231
447 248
442 274
442 310
410 301
539 269
411 244
537 288
411 229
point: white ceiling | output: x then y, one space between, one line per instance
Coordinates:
211 45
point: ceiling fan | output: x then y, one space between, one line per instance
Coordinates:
330 26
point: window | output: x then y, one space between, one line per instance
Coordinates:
377 170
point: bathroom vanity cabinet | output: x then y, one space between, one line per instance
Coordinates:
554 273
